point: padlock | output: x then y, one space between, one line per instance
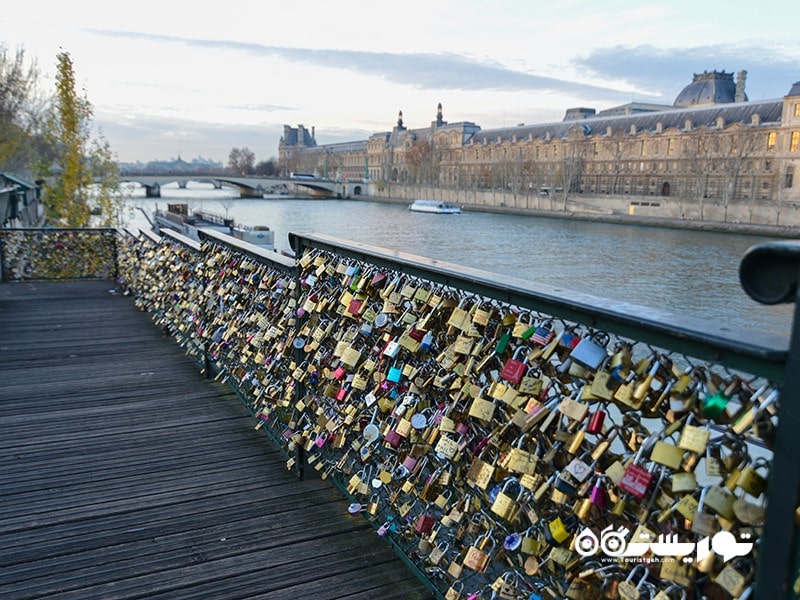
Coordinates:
443 499
731 580
374 505
481 472
641 390
714 405
478 557
667 455
628 590
482 409
505 505
683 483
424 522
751 481
704 523
694 438
438 552
455 591
590 352
506 586
530 543
519 460
720 500
580 470
560 530
514 369
636 479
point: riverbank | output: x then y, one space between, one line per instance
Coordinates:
626 219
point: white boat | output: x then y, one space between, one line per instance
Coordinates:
434 206
178 218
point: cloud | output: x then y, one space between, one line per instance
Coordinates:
437 71
148 137
138 138
260 107
664 72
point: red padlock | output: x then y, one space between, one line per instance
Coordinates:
636 481
424 523
514 370
596 422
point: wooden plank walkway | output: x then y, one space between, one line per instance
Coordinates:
125 474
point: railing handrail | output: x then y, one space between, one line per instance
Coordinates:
151 235
275 259
757 352
179 237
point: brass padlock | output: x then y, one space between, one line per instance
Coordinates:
478 557
720 500
504 503
628 590
731 580
667 455
694 439
456 589
751 481
704 523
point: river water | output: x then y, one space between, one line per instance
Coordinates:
683 272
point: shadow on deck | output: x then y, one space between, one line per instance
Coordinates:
125 474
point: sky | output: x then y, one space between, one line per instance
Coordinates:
196 79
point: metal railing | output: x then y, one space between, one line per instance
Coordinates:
399 379
56 253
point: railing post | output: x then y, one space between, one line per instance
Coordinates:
2 261
299 390
769 273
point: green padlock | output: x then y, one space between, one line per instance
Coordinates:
502 343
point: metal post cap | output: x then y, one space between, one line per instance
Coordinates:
769 272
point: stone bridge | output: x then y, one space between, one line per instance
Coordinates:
251 187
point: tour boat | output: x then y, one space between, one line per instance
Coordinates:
178 218
434 206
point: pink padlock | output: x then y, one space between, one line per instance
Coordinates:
409 462
393 438
383 529
598 496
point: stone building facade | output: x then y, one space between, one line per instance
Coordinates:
713 154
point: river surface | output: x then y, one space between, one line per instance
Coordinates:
682 272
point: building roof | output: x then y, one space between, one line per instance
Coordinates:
769 111
18 180
715 87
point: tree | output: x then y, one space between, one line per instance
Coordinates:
267 168
80 161
698 162
241 161
21 105
732 150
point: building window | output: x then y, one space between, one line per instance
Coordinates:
797 110
671 147
788 180
795 141
771 138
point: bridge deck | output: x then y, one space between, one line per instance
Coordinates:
125 474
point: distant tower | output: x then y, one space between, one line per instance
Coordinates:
400 120
740 96
439 119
